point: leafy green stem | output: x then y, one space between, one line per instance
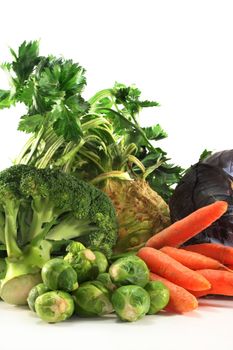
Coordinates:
129 123
121 175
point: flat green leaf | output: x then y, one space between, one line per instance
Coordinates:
6 66
6 99
205 154
154 132
147 103
26 93
129 97
25 60
65 123
149 158
77 104
13 53
31 123
68 128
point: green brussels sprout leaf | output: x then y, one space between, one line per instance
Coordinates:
54 306
131 302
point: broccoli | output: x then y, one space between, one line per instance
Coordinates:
39 207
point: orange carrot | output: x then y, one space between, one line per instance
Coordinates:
193 260
180 299
184 229
165 266
213 250
221 282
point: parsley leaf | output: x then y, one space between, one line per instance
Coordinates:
26 59
31 123
154 132
65 123
6 100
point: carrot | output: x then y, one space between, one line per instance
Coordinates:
184 229
221 282
165 266
213 250
193 260
180 299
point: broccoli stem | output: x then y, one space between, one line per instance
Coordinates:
24 223
11 212
69 228
43 213
28 265
2 228
24 274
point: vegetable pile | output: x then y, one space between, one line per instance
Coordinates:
40 209
99 140
85 223
195 271
123 287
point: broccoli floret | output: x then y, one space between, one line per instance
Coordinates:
46 191
92 222
40 206
67 208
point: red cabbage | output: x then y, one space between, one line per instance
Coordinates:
204 183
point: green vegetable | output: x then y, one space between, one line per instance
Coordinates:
105 279
58 274
141 212
16 289
92 299
129 270
159 296
54 306
75 247
2 268
131 302
83 262
101 261
34 293
116 256
39 207
100 140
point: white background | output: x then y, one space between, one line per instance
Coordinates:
178 53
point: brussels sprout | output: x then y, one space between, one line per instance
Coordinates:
54 306
34 293
83 262
131 302
159 296
129 270
92 299
2 268
75 247
101 261
105 279
59 274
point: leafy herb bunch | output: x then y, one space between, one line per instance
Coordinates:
94 139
